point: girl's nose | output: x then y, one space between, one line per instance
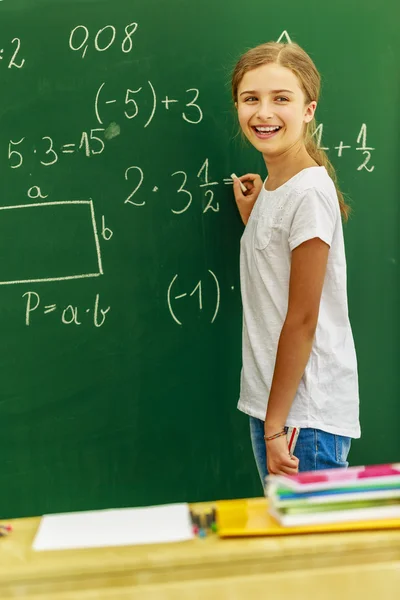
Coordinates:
264 111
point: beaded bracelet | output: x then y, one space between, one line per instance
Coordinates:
268 438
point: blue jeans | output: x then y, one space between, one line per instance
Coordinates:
315 449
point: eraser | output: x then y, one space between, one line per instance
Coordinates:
242 186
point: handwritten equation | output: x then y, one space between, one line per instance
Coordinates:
183 191
89 142
192 114
68 315
361 147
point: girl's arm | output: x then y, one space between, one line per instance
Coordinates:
307 275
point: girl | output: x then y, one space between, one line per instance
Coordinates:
299 360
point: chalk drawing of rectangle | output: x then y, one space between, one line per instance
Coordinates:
70 235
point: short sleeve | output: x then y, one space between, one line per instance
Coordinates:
315 215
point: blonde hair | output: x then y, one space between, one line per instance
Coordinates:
293 57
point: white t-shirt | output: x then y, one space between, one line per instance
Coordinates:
303 208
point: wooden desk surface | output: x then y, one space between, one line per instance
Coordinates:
343 565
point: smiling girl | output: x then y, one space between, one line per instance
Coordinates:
299 361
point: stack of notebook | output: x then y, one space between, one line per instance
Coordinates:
335 495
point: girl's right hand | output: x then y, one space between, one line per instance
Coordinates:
246 200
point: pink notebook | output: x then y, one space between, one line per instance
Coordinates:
352 477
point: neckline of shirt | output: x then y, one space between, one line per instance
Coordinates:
289 181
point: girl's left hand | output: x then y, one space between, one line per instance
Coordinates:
279 461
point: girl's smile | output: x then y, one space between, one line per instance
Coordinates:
265 132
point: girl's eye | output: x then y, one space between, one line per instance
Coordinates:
282 99
251 99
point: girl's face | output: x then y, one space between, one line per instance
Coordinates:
272 109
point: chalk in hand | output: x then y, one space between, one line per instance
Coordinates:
242 186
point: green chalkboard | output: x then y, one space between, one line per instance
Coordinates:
120 310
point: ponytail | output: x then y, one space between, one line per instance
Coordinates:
321 158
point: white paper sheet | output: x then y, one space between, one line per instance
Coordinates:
115 527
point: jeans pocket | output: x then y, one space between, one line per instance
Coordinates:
342 448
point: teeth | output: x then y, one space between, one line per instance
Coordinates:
267 129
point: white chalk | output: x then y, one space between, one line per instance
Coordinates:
242 186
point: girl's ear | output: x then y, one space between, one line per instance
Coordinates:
236 105
310 111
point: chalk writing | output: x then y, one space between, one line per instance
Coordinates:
184 194
192 112
341 147
68 315
11 55
88 217
196 292
80 38
90 143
